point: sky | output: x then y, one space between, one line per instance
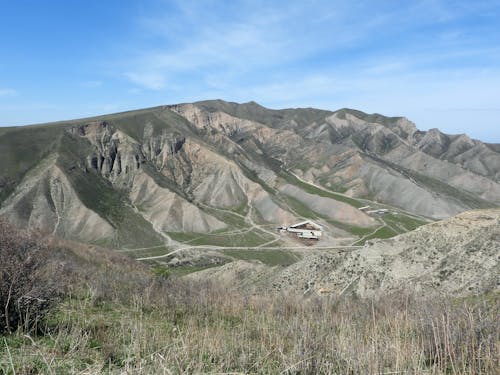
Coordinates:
436 62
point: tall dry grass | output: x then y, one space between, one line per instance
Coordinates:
29 278
117 317
175 327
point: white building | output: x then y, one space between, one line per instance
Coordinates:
380 211
307 230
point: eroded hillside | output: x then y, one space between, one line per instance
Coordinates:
224 174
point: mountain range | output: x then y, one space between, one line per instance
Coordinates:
215 173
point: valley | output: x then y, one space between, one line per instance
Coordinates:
206 185
156 238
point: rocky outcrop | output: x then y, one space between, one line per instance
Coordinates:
115 154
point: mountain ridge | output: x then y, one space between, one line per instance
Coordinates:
237 167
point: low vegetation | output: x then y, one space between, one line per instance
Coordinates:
110 314
253 237
270 257
382 232
26 291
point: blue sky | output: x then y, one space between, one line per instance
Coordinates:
436 62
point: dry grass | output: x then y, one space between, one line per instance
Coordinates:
173 327
29 278
117 317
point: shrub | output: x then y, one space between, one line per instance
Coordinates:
26 290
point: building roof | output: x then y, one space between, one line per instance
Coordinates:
320 227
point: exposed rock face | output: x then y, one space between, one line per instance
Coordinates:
370 155
140 176
470 154
167 210
115 154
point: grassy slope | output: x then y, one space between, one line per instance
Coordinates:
320 192
269 257
372 118
250 238
20 150
118 317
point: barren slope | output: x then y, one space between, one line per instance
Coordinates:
203 171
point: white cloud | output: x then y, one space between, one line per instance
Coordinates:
148 79
408 60
258 37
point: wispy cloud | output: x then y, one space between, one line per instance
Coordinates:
5 92
399 58
196 42
258 37
147 78
91 84
403 59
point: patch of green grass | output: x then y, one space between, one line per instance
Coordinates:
241 209
271 117
21 149
300 208
358 231
405 222
149 252
335 187
232 219
248 238
183 236
269 257
162 272
460 195
382 233
134 123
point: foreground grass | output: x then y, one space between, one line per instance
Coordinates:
106 313
175 327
